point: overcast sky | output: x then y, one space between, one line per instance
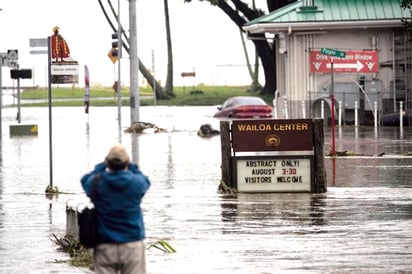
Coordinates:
203 37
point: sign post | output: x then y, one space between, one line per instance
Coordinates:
339 54
3 62
332 98
49 101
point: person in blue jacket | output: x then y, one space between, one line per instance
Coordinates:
120 189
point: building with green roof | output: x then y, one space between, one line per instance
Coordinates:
365 43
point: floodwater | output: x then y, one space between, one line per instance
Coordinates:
361 225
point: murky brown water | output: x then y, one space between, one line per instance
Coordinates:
361 225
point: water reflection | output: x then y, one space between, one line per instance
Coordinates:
371 141
271 211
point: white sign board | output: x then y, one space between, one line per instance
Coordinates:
274 174
63 73
38 42
38 52
62 69
3 59
12 54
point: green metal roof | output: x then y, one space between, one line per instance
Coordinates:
324 11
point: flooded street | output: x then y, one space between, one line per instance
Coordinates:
361 225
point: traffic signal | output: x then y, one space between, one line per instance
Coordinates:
115 45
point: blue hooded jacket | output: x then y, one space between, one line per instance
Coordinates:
117 201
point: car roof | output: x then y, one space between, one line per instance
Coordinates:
248 98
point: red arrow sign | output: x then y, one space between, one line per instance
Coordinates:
354 62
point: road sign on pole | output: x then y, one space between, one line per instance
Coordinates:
3 59
112 57
12 55
38 42
355 61
333 52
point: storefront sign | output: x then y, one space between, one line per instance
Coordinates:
272 135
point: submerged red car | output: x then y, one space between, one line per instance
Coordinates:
244 107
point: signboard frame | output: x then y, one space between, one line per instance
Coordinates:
278 178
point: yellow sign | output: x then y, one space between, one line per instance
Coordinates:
110 54
34 129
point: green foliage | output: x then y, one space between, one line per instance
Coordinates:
67 93
163 246
406 4
200 95
81 257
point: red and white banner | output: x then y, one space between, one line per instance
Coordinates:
354 62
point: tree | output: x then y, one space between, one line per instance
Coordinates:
240 13
253 72
169 76
407 4
160 93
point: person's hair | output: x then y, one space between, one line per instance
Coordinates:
116 164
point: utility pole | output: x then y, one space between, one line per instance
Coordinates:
134 65
119 57
1 95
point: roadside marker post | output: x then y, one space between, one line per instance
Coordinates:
339 54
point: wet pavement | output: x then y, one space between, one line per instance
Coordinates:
361 225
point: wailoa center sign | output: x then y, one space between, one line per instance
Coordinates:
276 170
352 62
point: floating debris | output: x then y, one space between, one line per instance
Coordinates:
79 256
351 153
225 189
139 127
206 130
